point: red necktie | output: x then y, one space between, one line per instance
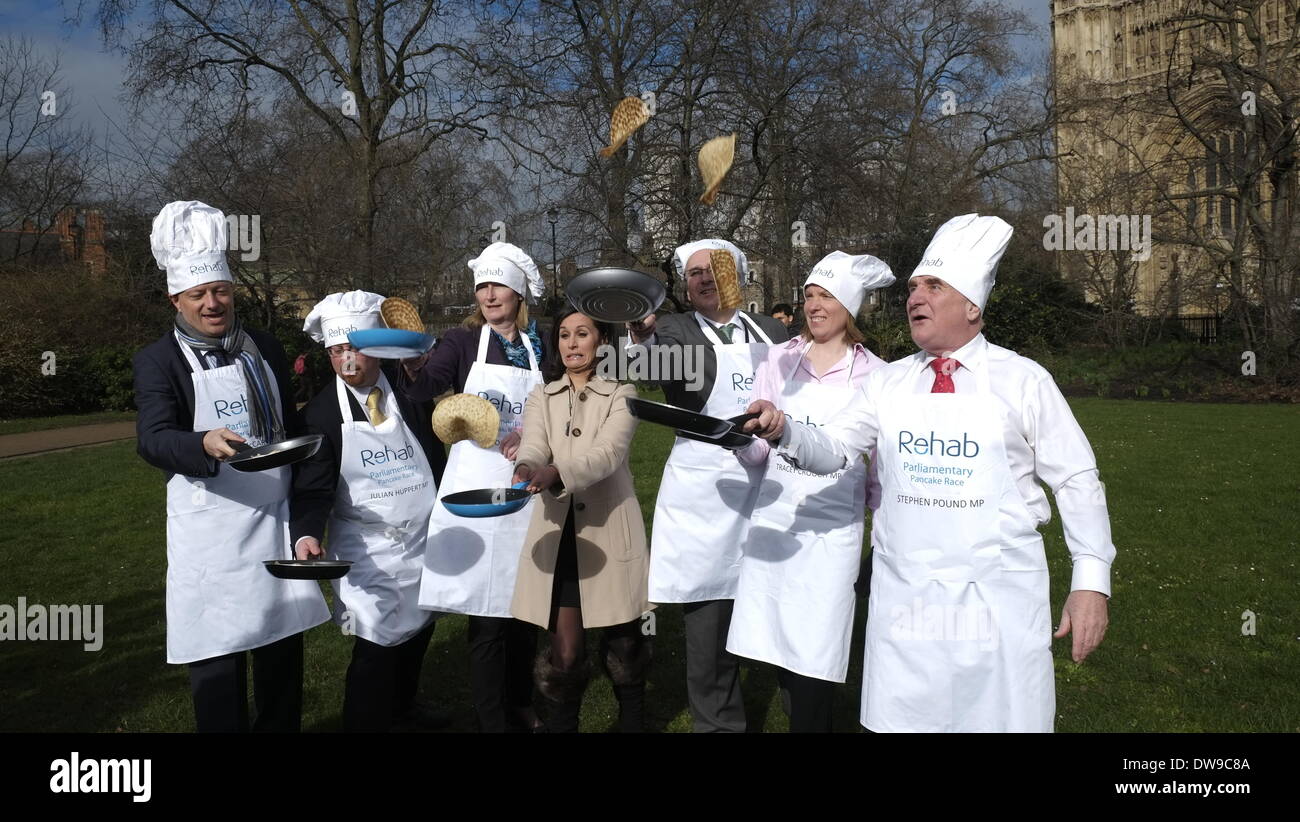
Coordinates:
943 374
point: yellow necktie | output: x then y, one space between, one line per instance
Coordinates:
377 417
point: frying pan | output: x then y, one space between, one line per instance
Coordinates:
733 439
390 343
701 425
273 455
615 295
307 568
487 502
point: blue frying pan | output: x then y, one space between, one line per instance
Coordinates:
390 343
487 502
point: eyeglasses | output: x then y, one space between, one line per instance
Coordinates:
336 351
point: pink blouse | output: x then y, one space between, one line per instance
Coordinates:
770 382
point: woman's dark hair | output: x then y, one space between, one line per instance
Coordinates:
554 367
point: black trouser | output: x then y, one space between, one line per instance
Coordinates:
712 674
501 651
810 702
220 689
382 682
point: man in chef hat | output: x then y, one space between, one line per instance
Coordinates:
958 626
706 496
207 382
372 485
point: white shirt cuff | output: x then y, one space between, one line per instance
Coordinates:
1090 574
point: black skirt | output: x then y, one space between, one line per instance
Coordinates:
564 591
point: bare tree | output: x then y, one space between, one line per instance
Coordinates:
1209 136
382 79
43 158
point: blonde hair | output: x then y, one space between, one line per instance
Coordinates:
476 320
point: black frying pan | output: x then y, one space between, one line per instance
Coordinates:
733 440
670 415
272 455
307 568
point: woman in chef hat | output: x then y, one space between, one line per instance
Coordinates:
470 564
794 601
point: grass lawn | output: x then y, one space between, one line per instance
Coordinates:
1202 504
26 424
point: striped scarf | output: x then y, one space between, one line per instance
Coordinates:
264 417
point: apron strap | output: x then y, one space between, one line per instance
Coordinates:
345 409
754 329
532 356
483 344
188 353
390 408
707 328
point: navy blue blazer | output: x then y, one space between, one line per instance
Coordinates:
164 399
315 479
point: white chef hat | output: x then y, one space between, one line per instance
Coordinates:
336 316
964 253
684 252
509 265
850 276
189 242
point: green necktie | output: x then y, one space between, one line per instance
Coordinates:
724 331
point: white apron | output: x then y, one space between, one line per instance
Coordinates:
470 564
380 519
954 641
794 600
220 598
706 495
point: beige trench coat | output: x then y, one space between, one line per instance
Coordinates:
613 560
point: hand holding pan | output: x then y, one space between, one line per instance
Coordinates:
221 443
273 455
314 567
487 502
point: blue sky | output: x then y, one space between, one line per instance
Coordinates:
94 77
1037 10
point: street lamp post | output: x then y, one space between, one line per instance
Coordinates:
553 217
1219 286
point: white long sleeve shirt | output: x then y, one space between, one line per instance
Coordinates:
1043 441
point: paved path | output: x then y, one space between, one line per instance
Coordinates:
58 439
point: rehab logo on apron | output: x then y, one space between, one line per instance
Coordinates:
706 496
471 566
